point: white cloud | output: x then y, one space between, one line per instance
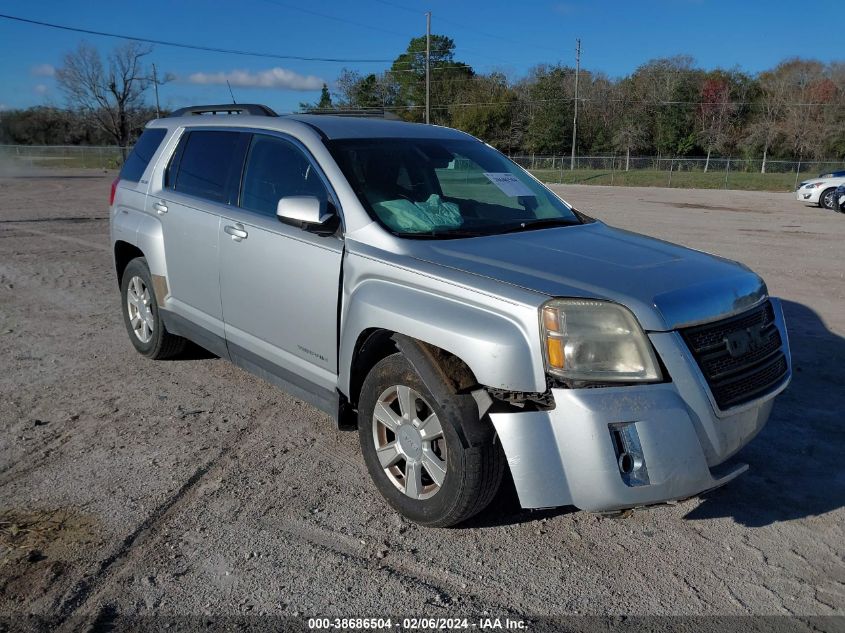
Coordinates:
41 89
43 70
276 78
3 107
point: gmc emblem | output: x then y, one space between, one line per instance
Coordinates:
742 342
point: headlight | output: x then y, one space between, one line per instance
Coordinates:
813 185
598 341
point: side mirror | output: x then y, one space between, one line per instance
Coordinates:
308 213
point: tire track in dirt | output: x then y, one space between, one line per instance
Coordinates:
63 238
72 612
440 582
72 220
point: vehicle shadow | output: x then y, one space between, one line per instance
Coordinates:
505 510
193 351
796 461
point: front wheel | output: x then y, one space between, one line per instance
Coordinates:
414 441
826 200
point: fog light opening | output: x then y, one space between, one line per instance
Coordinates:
629 454
627 463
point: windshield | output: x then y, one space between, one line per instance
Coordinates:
446 188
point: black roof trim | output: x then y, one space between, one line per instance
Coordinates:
366 113
226 108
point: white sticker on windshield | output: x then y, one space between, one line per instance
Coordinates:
510 185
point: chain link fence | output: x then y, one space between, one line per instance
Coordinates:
699 173
106 157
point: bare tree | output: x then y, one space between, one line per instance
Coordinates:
111 97
804 115
630 132
766 126
715 115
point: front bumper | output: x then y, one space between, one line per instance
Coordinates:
809 196
567 455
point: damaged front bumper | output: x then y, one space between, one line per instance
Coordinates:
613 448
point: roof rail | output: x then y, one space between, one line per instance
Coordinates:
369 113
226 108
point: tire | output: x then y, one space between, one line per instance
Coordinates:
826 199
141 314
469 474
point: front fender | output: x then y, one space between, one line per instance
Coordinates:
502 350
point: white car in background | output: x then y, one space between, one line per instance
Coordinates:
820 191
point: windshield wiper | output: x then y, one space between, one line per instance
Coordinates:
447 233
540 223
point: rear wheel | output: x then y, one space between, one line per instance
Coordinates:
413 437
141 315
826 200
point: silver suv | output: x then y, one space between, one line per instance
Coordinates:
418 286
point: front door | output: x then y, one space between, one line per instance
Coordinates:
280 284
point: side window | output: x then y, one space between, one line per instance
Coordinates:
209 165
275 169
142 154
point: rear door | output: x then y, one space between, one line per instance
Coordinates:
280 284
200 182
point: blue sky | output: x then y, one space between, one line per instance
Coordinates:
510 36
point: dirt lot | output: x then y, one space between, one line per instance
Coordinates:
189 487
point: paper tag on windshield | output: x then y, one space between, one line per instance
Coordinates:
510 185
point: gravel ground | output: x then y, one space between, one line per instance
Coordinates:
134 488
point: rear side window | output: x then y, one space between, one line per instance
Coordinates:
209 165
142 154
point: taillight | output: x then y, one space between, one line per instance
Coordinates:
113 190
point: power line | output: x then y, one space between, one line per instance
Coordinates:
210 49
362 25
518 102
398 6
336 18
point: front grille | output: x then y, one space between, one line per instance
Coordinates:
741 357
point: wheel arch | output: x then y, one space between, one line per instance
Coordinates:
124 252
143 237
375 344
495 349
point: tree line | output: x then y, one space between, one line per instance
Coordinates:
666 107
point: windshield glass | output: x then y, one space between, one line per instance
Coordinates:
446 188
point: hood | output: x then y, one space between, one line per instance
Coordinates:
827 180
665 285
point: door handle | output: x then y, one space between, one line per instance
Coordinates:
237 232
160 208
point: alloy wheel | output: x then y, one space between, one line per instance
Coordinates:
138 303
409 442
827 200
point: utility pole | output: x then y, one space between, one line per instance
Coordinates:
428 66
575 120
155 83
